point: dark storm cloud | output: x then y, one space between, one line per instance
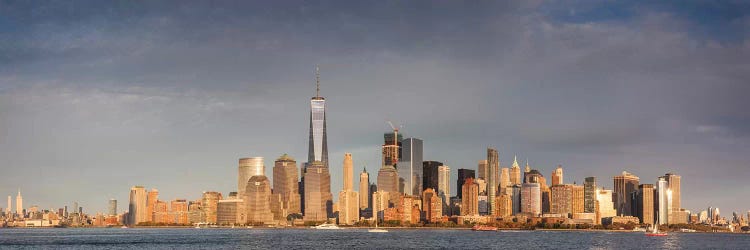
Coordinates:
170 94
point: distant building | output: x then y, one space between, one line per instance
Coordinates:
516 198
557 176
348 198
151 200
515 173
483 170
577 199
364 189
178 211
470 201
462 175
137 205
493 166
444 185
112 211
388 181
663 200
379 204
257 200
410 166
209 204
673 183
606 206
504 206
430 171
644 204
19 204
562 199
248 167
432 206
625 185
504 179
531 199
589 194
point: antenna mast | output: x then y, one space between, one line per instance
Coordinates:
317 81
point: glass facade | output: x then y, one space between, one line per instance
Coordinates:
410 166
318 148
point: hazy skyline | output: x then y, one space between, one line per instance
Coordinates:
96 97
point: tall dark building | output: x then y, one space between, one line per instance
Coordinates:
430 172
462 175
589 194
625 185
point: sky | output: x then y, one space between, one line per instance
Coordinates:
99 96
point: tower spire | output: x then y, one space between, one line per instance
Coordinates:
317 81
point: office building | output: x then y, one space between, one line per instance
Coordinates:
444 185
348 198
605 204
137 205
589 194
112 211
470 201
515 173
209 203
561 199
430 171
318 143
504 206
152 198
257 200
531 199
432 206
462 175
19 204
388 181
379 204
285 185
248 167
482 170
645 204
625 185
230 212
673 183
557 176
504 179
663 201
392 148
577 201
364 189
318 197
493 166
410 166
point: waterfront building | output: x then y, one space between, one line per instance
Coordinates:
504 206
160 212
152 198
531 199
605 203
673 183
318 197
248 167
493 166
561 199
209 203
462 175
410 166
432 206
577 201
515 173
285 185
230 212
430 171
257 200
444 185
112 211
178 211
625 185
645 204
379 203
364 189
137 205
557 176
663 201
589 194
470 201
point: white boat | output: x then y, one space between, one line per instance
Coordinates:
655 231
124 227
327 226
376 229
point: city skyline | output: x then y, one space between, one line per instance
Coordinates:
122 119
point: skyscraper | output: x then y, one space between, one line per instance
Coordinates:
531 199
248 167
318 147
462 175
606 205
645 204
444 186
561 199
470 201
364 189
318 197
257 200
410 166
19 203
348 198
515 173
137 205
430 171
388 182
112 207
392 147
673 183
432 205
504 179
285 184
9 206
589 194
663 201
557 176
625 185
493 166
577 199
